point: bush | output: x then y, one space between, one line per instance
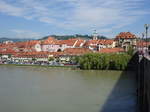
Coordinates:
50 59
104 61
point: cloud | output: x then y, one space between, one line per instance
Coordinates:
26 34
10 10
78 15
46 20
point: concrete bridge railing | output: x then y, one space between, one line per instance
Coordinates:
144 84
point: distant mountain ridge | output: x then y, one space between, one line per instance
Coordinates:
3 39
59 37
65 37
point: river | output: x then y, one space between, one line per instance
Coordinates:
43 89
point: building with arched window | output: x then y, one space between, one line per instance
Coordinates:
126 39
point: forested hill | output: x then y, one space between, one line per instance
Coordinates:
65 37
59 37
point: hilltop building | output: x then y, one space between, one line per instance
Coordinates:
126 39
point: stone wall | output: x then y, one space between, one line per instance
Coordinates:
144 85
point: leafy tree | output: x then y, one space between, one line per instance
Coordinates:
50 59
9 55
34 59
130 51
104 61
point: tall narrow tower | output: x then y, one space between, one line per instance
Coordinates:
95 35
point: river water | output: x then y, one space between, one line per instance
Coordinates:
43 89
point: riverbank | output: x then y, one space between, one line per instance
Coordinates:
54 66
68 66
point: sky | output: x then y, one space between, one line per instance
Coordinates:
38 18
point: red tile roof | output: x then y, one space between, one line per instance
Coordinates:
79 42
27 43
9 48
76 51
108 42
7 51
37 54
32 55
111 50
49 40
97 42
69 42
143 44
125 35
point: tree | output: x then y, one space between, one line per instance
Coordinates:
130 51
50 59
104 61
34 59
9 55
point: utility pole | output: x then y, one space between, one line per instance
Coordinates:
146 34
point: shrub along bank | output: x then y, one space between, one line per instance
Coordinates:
98 61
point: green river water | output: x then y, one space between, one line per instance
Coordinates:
43 89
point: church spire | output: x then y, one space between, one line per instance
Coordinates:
95 35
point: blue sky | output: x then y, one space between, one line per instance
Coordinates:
38 18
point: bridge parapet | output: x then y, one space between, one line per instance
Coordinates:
144 84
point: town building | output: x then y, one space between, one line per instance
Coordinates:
97 45
50 45
70 53
53 45
125 40
62 50
64 56
143 47
28 46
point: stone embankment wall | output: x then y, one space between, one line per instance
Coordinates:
143 78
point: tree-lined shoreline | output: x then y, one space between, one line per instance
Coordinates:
103 61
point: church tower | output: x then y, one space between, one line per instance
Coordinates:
95 35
